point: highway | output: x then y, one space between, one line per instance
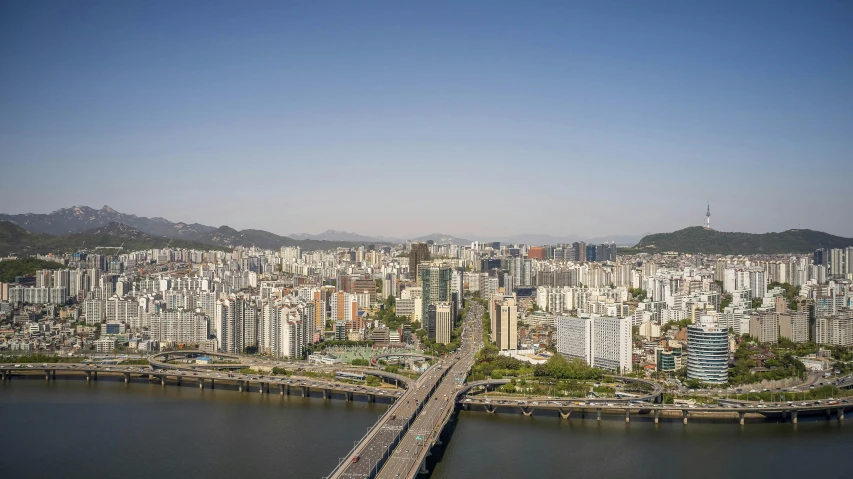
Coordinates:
408 457
262 383
380 440
389 447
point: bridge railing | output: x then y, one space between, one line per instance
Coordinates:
396 440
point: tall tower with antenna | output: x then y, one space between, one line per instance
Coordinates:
708 218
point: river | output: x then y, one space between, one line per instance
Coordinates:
74 429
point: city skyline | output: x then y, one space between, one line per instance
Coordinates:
596 120
330 234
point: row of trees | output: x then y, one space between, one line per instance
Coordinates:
41 358
558 367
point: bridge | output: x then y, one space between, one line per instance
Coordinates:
398 444
654 395
286 385
735 410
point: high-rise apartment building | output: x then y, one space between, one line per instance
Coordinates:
764 327
835 329
574 337
794 326
602 342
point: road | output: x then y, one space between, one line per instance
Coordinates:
420 408
409 454
293 381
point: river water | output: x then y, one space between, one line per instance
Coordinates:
73 429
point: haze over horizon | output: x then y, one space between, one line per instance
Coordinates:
396 120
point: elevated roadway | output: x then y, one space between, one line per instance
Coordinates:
397 445
162 361
284 385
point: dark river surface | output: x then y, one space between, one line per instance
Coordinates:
73 429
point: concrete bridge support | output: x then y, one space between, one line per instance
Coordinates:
212 382
627 415
201 383
126 378
349 395
598 414
47 374
423 469
841 414
740 416
371 398
305 391
261 388
327 394
490 409
240 386
794 416
5 375
684 413
657 415
564 415
281 389
88 376
162 380
95 375
526 411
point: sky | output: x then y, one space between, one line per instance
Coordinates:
409 118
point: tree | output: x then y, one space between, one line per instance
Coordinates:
372 381
11 269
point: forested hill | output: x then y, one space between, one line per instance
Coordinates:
699 240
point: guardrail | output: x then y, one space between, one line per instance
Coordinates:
372 431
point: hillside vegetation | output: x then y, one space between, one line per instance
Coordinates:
16 240
699 240
24 267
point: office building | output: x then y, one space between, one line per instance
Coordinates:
435 283
503 317
443 322
707 351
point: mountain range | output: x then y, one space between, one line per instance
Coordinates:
79 219
85 220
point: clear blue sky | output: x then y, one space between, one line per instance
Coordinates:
466 118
